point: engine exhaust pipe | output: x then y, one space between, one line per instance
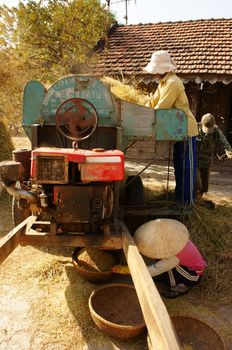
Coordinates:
19 193
11 172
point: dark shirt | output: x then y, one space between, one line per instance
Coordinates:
206 145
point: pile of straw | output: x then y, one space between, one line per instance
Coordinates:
60 312
211 231
126 92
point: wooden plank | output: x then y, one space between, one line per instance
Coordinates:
161 332
137 120
70 240
144 150
145 143
9 242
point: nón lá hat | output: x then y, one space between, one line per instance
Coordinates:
161 238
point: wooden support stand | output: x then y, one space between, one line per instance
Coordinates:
26 234
161 331
9 242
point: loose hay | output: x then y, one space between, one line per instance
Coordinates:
126 92
59 302
158 196
211 231
47 271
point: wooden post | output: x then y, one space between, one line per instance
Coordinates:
161 331
9 242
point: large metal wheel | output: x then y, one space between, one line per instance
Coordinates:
134 191
133 197
76 119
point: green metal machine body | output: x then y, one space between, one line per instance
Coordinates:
40 106
74 172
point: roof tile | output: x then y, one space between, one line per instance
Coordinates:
197 46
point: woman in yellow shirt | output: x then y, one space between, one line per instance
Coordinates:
170 93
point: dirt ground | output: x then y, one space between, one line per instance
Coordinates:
44 302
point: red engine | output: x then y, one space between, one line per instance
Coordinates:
65 166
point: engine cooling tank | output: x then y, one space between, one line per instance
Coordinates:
23 156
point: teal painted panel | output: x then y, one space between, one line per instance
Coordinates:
32 101
171 124
137 120
162 124
88 88
33 96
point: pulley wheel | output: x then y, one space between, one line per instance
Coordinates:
76 119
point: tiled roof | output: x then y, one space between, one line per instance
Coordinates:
197 46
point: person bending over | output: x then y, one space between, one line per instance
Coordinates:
177 261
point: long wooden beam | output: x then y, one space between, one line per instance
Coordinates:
161 331
35 238
9 242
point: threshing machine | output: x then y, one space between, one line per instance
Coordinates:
69 182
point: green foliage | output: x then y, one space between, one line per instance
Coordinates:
13 76
45 41
7 27
14 72
6 144
62 33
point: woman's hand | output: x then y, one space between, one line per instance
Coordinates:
123 270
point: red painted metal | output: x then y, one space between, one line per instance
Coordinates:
102 172
94 166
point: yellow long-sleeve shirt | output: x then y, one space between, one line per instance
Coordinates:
170 93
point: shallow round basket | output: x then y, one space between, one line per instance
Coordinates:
115 309
91 276
194 334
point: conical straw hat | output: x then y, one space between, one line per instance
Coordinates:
161 238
